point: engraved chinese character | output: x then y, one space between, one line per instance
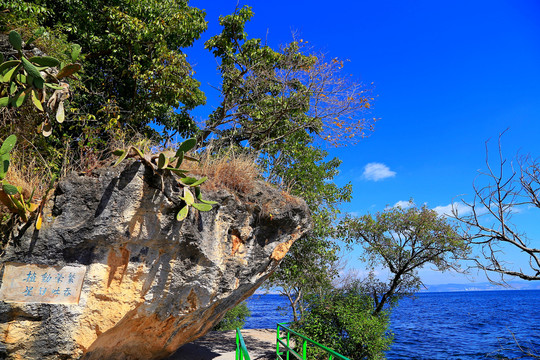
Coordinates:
28 291
56 291
31 277
67 292
42 291
59 278
46 277
71 278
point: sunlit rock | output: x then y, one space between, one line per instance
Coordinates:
152 283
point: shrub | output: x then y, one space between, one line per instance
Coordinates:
343 320
235 318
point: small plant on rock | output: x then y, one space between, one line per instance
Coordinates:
191 186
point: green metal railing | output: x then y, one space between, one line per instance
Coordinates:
288 352
288 349
241 350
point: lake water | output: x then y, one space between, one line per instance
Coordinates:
436 326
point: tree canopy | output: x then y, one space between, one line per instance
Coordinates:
269 96
134 70
284 106
404 241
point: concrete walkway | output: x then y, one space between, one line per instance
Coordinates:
220 345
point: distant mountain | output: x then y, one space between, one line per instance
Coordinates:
484 286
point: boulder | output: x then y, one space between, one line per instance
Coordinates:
151 283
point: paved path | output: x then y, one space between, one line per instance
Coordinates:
220 345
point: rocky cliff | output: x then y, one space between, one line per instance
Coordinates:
151 283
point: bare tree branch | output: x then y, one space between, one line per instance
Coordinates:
488 222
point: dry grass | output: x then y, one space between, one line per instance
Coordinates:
31 178
236 172
17 177
288 198
228 169
26 177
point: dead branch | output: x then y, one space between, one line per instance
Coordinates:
488 224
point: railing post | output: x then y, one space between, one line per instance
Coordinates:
277 341
304 350
241 350
288 344
236 355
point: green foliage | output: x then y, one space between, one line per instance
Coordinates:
20 9
135 70
281 104
15 40
22 79
269 96
234 318
309 265
6 148
244 61
342 319
404 241
135 75
278 104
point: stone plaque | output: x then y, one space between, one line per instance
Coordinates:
29 283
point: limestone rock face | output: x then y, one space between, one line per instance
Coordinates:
152 283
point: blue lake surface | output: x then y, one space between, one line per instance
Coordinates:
433 326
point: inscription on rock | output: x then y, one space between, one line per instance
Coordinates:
31 283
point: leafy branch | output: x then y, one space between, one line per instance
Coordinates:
25 78
191 186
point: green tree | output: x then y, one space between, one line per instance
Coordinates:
284 105
234 318
269 96
17 12
135 72
135 75
343 320
404 241
310 264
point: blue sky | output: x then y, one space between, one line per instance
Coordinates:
448 76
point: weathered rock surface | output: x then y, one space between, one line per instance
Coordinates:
152 283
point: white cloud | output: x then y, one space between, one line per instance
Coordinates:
403 204
377 171
461 208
